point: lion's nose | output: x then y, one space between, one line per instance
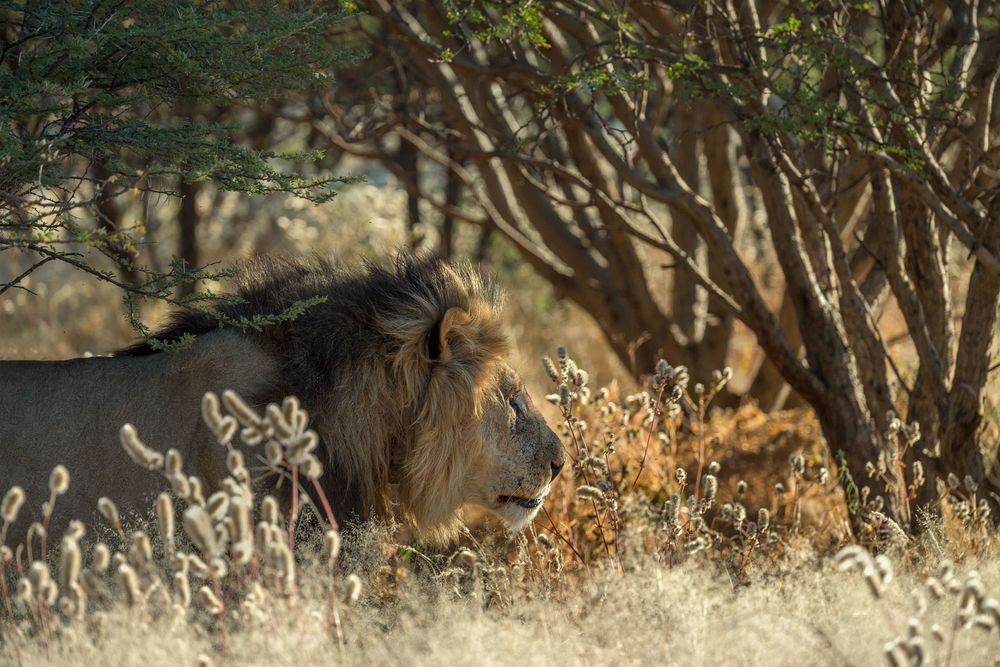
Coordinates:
556 467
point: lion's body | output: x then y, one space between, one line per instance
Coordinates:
403 371
70 412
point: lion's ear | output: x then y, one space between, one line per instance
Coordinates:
447 334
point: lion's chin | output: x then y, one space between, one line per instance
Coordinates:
519 511
517 518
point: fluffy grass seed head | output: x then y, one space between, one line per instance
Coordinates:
174 462
39 575
24 592
588 492
331 545
711 484
180 486
140 553
59 480
218 505
182 589
234 460
13 500
101 559
550 369
255 430
273 454
109 511
129 583
223 427
137 450
311 468
195 497
165 519
198 526
269 510
70 562
210 601
465 558
353 588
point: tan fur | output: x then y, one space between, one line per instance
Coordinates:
404 373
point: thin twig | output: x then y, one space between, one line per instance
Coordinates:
649 436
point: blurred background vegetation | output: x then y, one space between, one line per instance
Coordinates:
805 193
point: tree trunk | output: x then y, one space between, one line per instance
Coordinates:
109 220
187 245
960 449
407 159
452 195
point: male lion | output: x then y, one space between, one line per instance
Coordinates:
404 372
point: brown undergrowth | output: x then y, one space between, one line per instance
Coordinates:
676 526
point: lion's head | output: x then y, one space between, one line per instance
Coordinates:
520 453
477 437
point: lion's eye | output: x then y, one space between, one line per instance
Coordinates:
515 402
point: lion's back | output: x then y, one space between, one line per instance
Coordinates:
70 413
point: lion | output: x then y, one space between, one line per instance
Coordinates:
404 370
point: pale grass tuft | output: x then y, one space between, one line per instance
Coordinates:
182 589
70 563
165 520
174 462
198 526
180 486
13 500
465 558
331 545
140 553
354 587
101 558
218 505
76 530
269 510
129 583
59 480
138 451
588 492
109 511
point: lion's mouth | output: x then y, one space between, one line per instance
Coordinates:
526 503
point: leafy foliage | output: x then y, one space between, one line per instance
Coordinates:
96 100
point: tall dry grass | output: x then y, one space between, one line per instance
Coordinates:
614 574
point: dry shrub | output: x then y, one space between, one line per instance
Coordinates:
642 565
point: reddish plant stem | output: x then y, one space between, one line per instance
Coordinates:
558 533
45 526
586 478
326 505
6 593
701 446
221 622
649 436
293 512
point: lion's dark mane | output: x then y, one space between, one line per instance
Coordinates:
320 343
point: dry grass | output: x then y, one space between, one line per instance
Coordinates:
625 567
808 612
612 573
